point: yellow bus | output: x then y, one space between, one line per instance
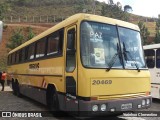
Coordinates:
85 63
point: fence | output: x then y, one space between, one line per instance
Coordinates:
34 19
53 19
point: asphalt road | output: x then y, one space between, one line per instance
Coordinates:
23 106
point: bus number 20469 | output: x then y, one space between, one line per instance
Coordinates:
98 82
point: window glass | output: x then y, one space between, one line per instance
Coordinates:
158 58
20 56
100 45
9 59
31 52
131 47
53 42
17 57
150 58
61 34
26 53
71 58
13 58
40 48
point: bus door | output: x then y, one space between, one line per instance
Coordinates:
71 70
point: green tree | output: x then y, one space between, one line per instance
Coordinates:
114 11
3 8
16 39
79 7
31 34
157 36
3 62
144 32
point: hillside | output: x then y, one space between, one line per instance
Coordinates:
42 14
51 11
7 35
57 8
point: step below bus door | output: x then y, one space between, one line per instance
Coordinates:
71 71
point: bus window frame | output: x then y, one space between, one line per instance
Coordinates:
152 60
158 67
25 52
72 51
119 46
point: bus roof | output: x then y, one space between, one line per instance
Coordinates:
75 18
153 46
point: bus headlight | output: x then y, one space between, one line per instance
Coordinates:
103 107
148 102
95 108
143 102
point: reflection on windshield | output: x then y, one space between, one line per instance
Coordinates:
100 43
131 46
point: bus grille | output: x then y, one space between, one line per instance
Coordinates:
115 97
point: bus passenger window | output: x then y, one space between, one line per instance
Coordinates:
20 55
13 58
31 50
17 57
158 58
53 42
26 53
9 59
150 58
40 48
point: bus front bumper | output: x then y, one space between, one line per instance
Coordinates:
103 107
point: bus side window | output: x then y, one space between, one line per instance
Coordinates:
71 61
13 58
150 58
26 53
53 42
40 48
31 51
9 60
158 58
17 57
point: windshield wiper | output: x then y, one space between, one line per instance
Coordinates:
126 58
113 60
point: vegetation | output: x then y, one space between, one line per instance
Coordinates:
157 36
65 8
144 32
3 9
18 37
3 62
31 34
114 11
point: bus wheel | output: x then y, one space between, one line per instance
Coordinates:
17 90
52 100
13 87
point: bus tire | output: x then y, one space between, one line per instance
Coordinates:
13 87
52 100
17 90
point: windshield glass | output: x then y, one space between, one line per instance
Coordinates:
100 46
131 48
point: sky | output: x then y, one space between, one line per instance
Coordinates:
148 8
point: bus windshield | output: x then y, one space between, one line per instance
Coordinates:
106 46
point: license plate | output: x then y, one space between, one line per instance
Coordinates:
126 106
